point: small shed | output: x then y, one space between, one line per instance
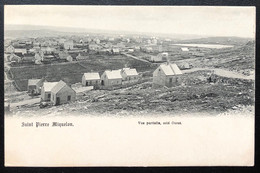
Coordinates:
34 86
62 93
91 79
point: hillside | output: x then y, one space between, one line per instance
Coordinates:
194 95
219 40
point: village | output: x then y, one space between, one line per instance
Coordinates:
47 72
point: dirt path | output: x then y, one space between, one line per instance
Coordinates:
134 57
25 102
222 72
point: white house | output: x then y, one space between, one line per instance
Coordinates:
184 49
46 90
91 79
167 75
129 75
62 93
115 51
111 78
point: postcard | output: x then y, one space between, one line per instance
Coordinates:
129 85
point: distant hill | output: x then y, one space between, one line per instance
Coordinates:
15 31
18 31
219 40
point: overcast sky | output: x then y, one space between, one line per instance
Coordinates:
213 21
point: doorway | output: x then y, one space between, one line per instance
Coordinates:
57 101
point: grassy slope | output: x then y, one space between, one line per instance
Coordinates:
72 72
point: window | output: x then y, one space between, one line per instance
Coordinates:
90 82
170 80
49 96
69 97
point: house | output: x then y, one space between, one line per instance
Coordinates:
46 90
65 56
62 93
10 49
93 47
68 45
115 51
111 78
15 58
160 57
148 49
34 86
111 39
91 79
184 65
129 74
82 56
29 58
167 75
137 47
130 50
184 49
48 57
47 49
17 50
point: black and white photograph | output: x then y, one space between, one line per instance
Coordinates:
129 85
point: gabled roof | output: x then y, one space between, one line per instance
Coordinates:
91 76
58 87
49 85
170 69
114 74
33 81
130 72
